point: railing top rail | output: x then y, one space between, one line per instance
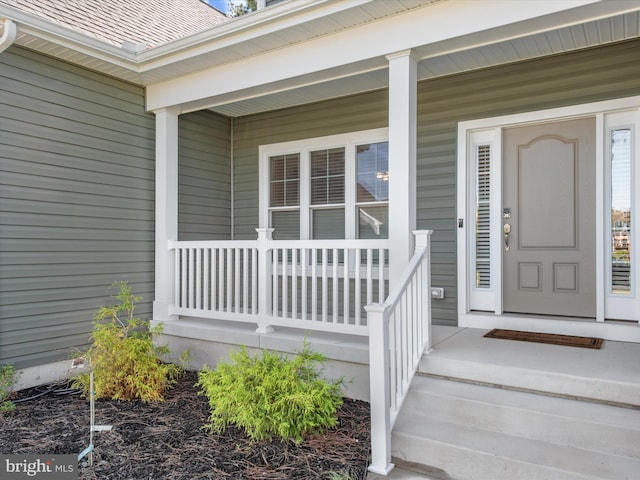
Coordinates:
351 243
330 244
213 244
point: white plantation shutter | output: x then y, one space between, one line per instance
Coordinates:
483 217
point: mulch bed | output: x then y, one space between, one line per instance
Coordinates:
166 441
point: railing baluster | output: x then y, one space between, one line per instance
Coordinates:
205 279
276 253
294 283
245 280
179 277
303 283
229 279
325 285
345 287
357 287
381 290
198 304
214 279
336 259
185 278
285 283
254 281
314 284
236 280
369 276
221 269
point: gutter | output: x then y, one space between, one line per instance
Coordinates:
8 35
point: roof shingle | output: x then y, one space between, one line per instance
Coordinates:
147 22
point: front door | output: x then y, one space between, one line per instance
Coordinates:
549 219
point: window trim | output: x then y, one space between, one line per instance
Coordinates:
304 147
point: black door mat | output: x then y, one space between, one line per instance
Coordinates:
553 339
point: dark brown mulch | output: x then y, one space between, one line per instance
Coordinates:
166 441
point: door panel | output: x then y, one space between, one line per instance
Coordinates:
549 219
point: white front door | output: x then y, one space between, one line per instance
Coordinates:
549 220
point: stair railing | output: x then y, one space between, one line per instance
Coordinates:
399 333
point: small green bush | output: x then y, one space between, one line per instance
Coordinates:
271 395
126 364
7 381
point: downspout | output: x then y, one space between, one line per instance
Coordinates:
233 200
8 35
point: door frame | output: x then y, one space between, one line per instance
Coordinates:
484 309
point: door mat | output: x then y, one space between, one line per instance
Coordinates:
566 340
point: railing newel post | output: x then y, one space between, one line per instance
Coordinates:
379 387
264 280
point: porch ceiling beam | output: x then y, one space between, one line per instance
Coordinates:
438 25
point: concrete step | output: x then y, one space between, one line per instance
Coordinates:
591 426
466 431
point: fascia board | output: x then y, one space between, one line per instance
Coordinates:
439 23
61 36
245 28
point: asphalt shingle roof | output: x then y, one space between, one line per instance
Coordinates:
148 22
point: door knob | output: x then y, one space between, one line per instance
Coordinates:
507 230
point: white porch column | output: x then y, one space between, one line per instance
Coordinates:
166 211
402 160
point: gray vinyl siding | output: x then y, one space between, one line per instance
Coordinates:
204 177
569 79
76 203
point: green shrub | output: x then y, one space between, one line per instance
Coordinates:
7 381
126 364
271 395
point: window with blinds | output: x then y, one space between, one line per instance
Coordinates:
483 217
284 193
328 193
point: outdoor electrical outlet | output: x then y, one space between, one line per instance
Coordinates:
437 293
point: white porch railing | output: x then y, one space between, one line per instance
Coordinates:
399 333
310 284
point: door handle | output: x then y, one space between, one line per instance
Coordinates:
507 230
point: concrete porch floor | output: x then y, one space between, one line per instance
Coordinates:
610 374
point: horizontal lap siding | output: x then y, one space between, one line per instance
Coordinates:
579 77
76 203
204 173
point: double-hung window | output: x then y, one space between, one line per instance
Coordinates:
333 187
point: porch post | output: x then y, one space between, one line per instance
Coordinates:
166 211
402 160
